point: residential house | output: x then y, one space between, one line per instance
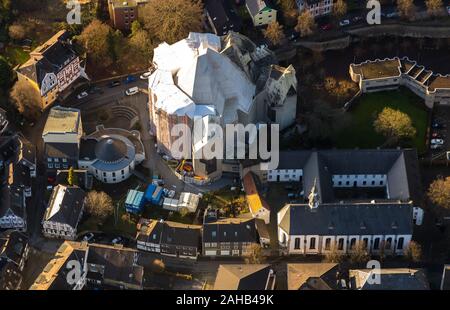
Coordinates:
113 267
391 73
388 279
64 212
169 238
124 12
14 248
222 17
13 213
70 255
228 236
61 135
312 276
53 68
261 12
241 277
317 8
259 208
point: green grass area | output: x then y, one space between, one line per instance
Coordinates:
15 55
360 132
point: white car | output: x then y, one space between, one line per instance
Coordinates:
82 95
132 91
437 141
344 22
171 194
88 237
145 75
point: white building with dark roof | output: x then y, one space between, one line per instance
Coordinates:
328 217
386 74
64 212
261 12
317 8
111 154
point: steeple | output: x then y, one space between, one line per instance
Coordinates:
313 198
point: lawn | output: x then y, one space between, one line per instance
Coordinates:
360 132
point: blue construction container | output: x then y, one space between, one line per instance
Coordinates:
135 201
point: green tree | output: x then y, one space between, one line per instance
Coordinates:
439 192
306 24
339 9
274 33
99 204
394 125
172 20
434 7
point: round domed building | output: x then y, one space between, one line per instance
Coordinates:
110 154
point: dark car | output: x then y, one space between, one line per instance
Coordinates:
114 83
327 27
437 125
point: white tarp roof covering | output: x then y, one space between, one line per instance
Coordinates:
193 72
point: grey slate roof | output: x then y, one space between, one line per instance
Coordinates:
349 219
391 279
12 246
11 202
400 166
230 230
242 277
61 150
222 15
110 149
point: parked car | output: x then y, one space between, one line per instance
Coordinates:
437 125
88 237
82 95
145 75
438 135
344 22
114 84
130 79
166 157
132 91
448 10
393 14
436 147
117 240
437 141
326 27
49 187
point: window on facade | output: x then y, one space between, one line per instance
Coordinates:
312 243
341 244
388 243
297 243
376 244
328 244
123 172
56 160
49 159
400 243
64 160
50 166
104 174
366 242
113 174
213 234
352 243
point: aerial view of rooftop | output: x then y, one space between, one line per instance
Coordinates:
225 152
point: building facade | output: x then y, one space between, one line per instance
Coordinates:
261 12
64 212
388 74
52 68
316 7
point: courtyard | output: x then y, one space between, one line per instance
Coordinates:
360 133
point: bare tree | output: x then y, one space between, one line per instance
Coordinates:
434 7
17 32
254 255
359 253
407 9
334 255
274 33
413 252
26 99
172 20
306 24
99 204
